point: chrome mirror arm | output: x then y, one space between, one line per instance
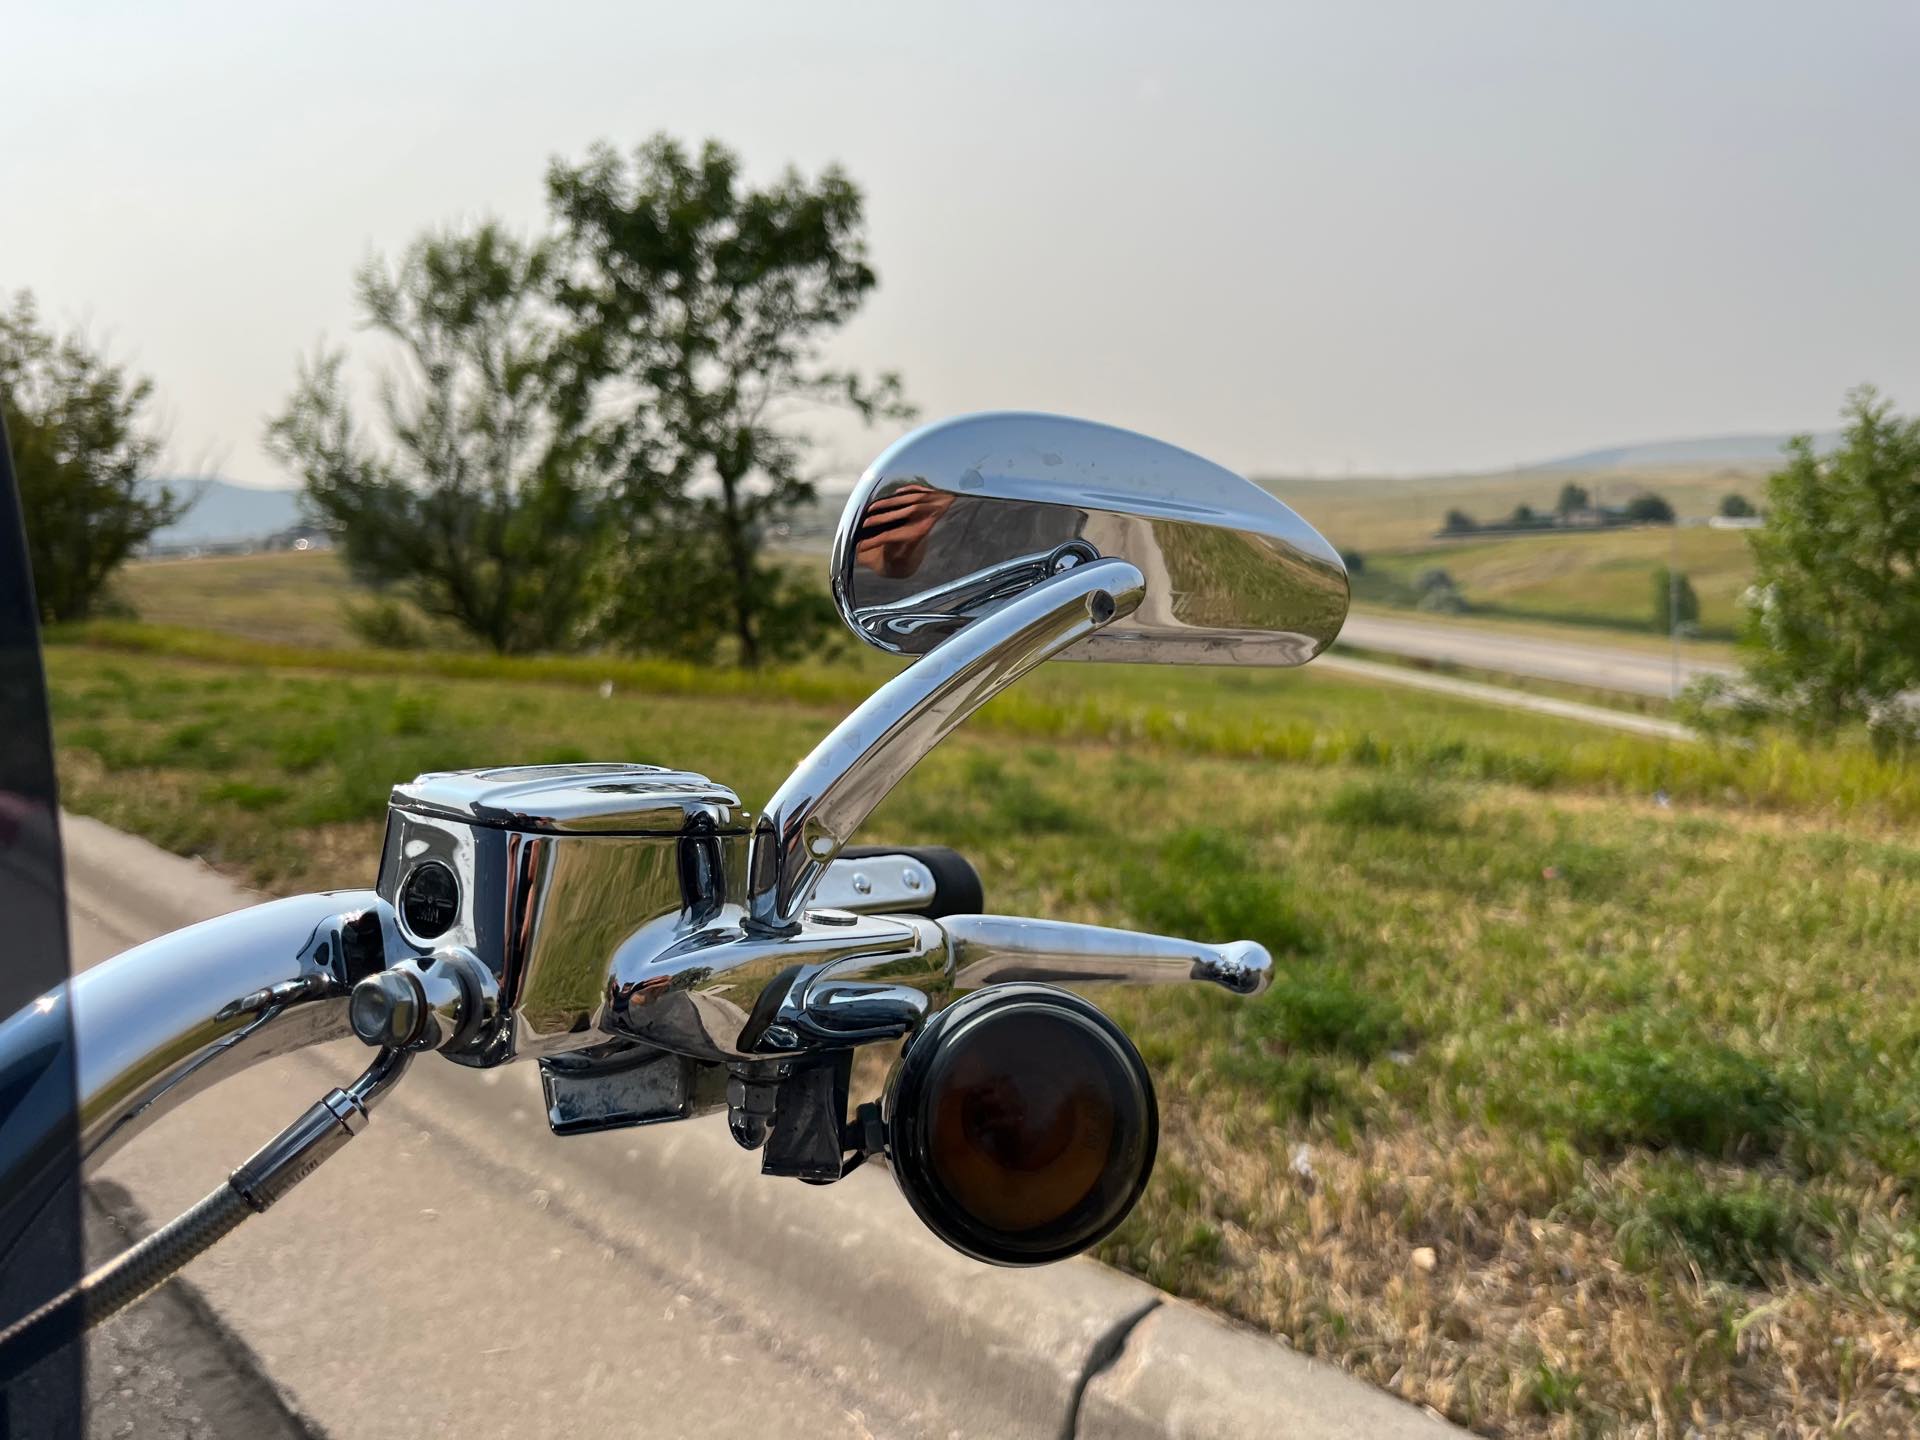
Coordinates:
816 811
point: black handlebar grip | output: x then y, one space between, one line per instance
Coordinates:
956 884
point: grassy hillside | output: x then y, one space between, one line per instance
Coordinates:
1573 1111
1602 578
1373 514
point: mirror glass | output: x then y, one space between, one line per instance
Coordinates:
957 517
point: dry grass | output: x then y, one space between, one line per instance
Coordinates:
1445 1267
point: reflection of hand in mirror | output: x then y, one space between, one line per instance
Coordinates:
893 531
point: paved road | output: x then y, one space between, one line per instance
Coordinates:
457 1270
1604 667
1508 698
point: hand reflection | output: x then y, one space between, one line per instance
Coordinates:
893 532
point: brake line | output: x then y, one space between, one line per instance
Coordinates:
274 1169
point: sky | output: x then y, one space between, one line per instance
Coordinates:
1328 238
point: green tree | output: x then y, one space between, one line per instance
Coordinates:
700 303
1436 591
1736 506
478 499
83 455
1572 497
1836 632
1459 522
1648 509
1675 605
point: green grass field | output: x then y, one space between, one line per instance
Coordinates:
296 598
1586 1102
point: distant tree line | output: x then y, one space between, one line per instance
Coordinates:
1575 510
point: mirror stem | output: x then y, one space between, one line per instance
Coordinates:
830 794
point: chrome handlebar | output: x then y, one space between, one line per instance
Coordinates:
158 1023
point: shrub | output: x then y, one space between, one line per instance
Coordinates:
1638 1082
1207 884
1734 1232
1393 802
386 624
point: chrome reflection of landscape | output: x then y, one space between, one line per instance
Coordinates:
959 516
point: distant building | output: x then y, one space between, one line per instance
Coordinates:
1587 517
299 537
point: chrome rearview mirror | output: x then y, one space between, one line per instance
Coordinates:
959 517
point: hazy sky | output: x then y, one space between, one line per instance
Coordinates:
1387 236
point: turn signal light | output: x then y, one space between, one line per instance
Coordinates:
1021 1124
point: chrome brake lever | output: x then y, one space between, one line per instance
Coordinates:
993 949
885 996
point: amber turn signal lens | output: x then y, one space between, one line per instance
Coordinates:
1021 1124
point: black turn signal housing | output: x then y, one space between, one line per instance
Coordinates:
1021 1124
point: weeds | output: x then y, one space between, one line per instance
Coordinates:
1393 801
1643 1081
1209 884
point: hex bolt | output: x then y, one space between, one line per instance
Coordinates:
387 1010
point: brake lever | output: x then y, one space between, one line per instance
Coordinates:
886 996
993 949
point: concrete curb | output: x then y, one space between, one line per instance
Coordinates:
461 1227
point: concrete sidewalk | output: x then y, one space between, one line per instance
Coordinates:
457 1269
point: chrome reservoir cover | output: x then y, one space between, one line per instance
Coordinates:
545 871
574 799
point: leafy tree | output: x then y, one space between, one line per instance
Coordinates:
1522 515
1675 605
1459 522
1837 572
1355 562
1737 507
700 303
1648 509
82 453
1438 592
477 501
1572 497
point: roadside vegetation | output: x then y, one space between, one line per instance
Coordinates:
1571 1113
1304 717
